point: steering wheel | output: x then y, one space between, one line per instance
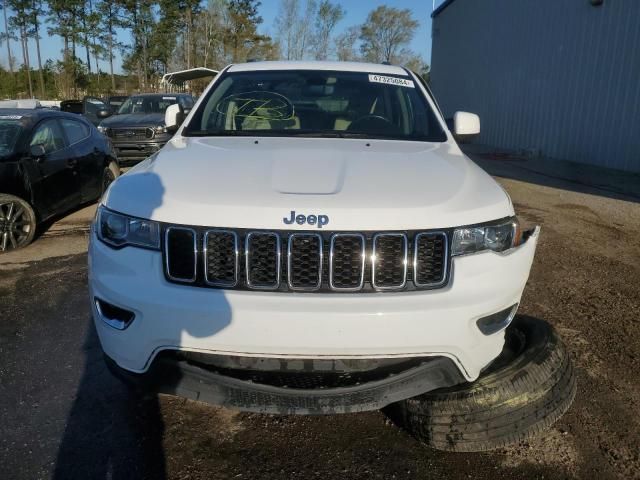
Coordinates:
374 124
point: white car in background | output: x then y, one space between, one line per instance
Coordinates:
313 240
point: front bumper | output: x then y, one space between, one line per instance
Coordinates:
433 323
183 378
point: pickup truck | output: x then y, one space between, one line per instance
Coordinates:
137 128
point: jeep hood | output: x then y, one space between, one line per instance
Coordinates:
247 182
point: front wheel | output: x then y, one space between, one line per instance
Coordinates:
526 389
17 223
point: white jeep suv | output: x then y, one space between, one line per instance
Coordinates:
311 240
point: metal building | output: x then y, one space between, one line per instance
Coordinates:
558 76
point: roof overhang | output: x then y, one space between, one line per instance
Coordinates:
176 78
442 6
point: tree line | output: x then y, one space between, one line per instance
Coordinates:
169 35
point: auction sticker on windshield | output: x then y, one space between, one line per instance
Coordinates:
391 80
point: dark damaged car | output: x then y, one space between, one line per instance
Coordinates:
138 129
50 162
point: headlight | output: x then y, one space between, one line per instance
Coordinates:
160 129
103 130
497 237
119 230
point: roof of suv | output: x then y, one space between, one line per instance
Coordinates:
311 65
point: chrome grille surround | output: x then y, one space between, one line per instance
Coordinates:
341 262
205 257
378 257
194 234
445 259
290 258
332 267
248 254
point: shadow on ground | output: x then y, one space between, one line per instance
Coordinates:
111 431
572 176
66 417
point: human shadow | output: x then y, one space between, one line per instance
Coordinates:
114 430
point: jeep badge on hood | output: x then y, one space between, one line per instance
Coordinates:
319 220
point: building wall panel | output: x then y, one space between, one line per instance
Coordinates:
562 77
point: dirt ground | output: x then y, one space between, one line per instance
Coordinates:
63 415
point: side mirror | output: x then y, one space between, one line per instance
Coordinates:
103 114
465 125
38 151
173 117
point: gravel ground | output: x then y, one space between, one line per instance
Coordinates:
64 416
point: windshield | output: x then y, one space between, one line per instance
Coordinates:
316 103
10 129
94 105
147 104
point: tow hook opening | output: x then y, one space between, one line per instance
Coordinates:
497 321
115 317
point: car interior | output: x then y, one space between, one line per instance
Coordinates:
50 136
327 104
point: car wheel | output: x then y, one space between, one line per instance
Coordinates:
526 389
17 223
110 174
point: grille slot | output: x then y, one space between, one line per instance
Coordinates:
221 258
346 261
181 254
430 259
131 133
389 266
304 261
262 256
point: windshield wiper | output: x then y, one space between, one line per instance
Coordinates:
216 133
273 133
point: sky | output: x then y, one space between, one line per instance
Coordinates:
356 13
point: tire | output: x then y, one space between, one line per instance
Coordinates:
525 390
110 174
17 223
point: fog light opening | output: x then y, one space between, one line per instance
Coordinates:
497 321
115 317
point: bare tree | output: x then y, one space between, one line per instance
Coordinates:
386 31
295 28
305 29
415 63
286 24
346 44
208 35
327 18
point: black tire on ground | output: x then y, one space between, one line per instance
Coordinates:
525 390
110 174
17 223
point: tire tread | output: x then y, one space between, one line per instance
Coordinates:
503 407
